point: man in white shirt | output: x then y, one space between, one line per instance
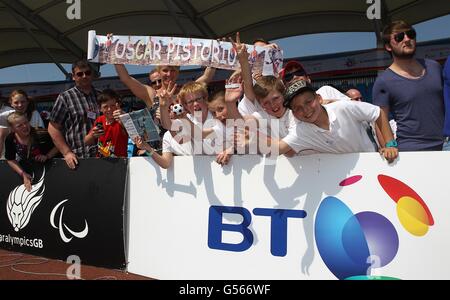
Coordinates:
335 128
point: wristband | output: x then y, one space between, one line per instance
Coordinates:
392 144
151 151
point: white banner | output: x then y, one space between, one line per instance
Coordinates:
314 217
175 51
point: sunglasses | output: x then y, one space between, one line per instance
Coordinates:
86 73
399 37
156 82
288 77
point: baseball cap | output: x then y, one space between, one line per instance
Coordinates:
290 65
294 89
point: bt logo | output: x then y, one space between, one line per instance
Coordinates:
348 242
279 217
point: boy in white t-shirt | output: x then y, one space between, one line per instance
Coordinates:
334 128
263 100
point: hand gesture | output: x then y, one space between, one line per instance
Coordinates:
117 113
233 89
166 94
240 48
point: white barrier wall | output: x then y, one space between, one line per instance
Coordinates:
175 234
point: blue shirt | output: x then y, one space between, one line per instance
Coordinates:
447 97
416 104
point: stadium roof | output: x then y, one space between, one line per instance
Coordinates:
36 31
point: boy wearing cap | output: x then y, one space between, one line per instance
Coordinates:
293 71
334 128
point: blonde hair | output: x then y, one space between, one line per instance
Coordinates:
193 87
14 116
266 84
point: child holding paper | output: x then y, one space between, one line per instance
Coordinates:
108 132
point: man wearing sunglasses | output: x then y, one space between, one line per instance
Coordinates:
73 116
411 89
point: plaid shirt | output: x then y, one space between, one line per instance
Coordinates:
71 112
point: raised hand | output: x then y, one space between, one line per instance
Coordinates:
240 48
233 89
166 94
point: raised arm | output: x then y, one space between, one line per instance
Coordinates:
246 72
165 99
140 90
233 92
207 76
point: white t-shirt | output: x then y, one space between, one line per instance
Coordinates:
207 144
247 107
36 120
223 137
4 113
345 135
276 127
330 93
170 145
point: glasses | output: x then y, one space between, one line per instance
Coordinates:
86 73
288 77
199 99
156 82
399 37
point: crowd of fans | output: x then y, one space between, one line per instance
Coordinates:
253 114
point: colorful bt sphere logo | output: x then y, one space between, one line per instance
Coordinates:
351 244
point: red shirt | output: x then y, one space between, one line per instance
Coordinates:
115 140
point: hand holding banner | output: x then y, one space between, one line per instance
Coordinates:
156 50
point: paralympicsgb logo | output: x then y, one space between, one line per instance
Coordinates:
21 203
349 243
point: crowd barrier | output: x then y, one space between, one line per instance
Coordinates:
350 216
67 212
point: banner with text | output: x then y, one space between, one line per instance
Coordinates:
176 51
348 216
66 212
